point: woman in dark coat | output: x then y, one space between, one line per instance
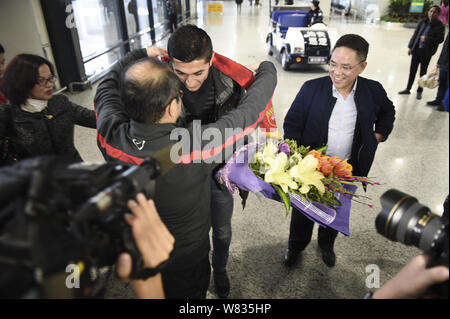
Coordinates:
35 121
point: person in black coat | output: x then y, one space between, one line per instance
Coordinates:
37 122
172 13
239 5
183 195
442 64
314 15
423 45
348 113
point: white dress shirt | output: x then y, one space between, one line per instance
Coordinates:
341 126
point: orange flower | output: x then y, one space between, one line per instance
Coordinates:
315 153
343 169
325 166
334 160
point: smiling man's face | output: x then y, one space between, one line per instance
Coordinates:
345 66
193 73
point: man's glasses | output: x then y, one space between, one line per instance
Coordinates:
45 81
345 68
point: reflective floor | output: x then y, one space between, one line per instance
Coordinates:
414 160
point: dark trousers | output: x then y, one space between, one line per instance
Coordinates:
172 22
418 58
301 230
443 84
189 283
221 213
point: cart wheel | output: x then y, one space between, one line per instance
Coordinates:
269 46
284 63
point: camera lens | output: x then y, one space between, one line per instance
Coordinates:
404 219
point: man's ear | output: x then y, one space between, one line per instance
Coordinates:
172 109
363 66
212 58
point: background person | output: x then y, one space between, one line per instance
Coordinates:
239 5
3 99
443 16
315 15
345 111
172 13
442 64
423 45
39 122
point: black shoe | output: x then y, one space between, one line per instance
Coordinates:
419 95
434 103
329 258
291 257
405 91
440 108
222 284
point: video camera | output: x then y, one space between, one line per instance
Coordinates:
54 213
404 219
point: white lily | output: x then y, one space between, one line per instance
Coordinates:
277 173
269 153
306 173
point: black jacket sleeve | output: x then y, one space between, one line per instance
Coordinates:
83 116
386 112
80 115
416 31
435 36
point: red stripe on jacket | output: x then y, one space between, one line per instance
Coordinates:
237 72
202 155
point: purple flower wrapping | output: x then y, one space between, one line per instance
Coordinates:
237 174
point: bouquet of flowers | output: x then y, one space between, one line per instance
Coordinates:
318 185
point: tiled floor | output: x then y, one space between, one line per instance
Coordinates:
413 160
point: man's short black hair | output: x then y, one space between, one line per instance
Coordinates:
356 43
148 87
21 75
2 49
189 43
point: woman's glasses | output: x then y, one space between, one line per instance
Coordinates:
45 81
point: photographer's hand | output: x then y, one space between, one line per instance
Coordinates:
154 242
412 280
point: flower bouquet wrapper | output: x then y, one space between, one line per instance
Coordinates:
237 174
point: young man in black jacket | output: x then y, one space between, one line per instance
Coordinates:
208 94
151 97
423 45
